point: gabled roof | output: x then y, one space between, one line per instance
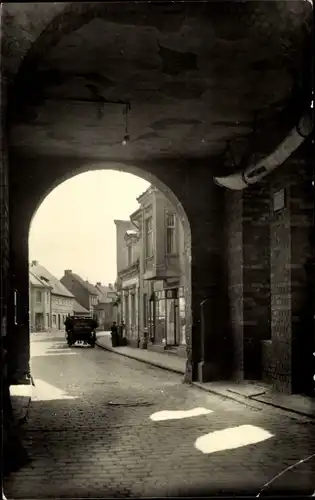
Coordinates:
102 294
87 285
35 281
147 192
77 308
44 275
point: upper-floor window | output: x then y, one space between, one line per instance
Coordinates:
170 233
130 255
38 297
149 237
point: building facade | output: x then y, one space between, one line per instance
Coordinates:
105 310
56 301
151 275
84 292
128 279
40 304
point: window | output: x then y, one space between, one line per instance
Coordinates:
145 310
130 256
15 306
160 317
133 309
54 319
38 297
148 238
170 233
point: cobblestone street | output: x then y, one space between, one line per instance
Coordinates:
94 431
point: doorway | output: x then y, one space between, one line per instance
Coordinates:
39 322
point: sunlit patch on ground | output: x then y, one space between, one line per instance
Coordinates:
47 392
231 438
178 414
50 349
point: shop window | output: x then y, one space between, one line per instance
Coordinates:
160 317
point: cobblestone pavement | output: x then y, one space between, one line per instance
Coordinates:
90 434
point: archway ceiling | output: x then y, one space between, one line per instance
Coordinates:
196 76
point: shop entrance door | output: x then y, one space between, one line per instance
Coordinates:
172 337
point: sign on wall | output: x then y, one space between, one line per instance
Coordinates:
279 200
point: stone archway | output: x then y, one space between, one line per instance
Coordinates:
187 101
153 180
32 189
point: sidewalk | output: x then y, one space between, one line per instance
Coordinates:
246 392
21 396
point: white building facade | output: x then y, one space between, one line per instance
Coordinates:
56 301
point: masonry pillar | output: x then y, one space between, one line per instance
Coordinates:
248 262
256 277
4 227
19 336
208 355
292 277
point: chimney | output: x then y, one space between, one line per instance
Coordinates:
34 262
68 271
110 286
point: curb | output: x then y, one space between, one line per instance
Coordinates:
145 361
245 400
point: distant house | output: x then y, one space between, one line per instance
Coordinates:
84 292
59 301
105 311
40 304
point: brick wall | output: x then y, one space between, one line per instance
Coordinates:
292 293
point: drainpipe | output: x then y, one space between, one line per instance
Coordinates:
254 173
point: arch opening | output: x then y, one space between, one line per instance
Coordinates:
165 322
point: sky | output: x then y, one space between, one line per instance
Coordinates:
74 226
